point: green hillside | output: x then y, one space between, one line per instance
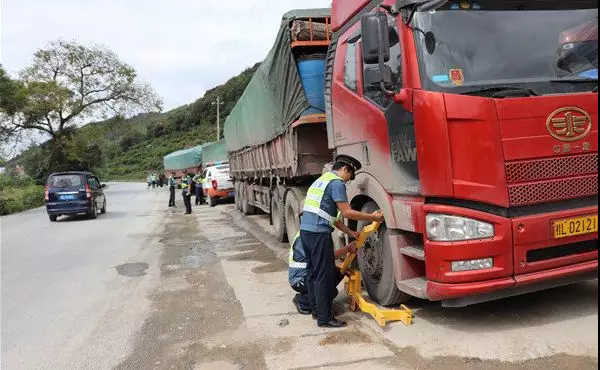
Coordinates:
129 148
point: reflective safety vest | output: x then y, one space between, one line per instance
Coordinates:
185 182
199 180
315 195
293 264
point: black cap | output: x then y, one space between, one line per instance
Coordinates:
346 159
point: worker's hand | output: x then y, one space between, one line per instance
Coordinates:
352 248
378 217
355 234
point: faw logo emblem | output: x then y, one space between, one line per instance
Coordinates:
569 124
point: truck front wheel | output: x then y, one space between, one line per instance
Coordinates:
377 265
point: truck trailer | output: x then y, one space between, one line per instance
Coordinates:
479 142
189 160
276 135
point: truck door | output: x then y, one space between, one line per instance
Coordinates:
367 124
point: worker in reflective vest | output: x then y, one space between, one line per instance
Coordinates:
172 185
326 197
198 181
186 193
297 274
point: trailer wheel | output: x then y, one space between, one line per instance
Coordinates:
278 218
247 208
293 206
377 265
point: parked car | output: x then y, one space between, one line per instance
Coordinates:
217 184
72 193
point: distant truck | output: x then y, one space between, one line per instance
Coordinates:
479 141
189 160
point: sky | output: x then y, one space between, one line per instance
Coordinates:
181 47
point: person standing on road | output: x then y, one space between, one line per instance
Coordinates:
153 179
186 193
172 185
326 197
297 274
198 181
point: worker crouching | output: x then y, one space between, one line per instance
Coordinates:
326 201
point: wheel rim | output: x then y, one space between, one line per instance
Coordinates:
372 257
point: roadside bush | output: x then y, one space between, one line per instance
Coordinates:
19 194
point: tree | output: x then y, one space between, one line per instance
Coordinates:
12 100
69 82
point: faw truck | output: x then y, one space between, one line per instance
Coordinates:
477 126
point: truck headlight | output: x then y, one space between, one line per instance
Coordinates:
445 228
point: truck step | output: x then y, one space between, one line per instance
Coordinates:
416 287
414 251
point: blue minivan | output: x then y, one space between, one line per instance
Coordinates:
72 193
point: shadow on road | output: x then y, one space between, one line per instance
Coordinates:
78 218
528 310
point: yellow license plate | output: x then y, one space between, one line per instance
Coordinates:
575 226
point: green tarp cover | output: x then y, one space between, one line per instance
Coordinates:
183 159
214 152
274 97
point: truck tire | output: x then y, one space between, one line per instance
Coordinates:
212 201
376 263
278 218
53 218
238 197
94 211
294 200
247 208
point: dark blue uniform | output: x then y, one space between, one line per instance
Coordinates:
315 235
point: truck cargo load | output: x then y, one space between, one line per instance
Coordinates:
276 135
278 94
184 159
214 152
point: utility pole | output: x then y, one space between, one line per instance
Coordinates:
218 103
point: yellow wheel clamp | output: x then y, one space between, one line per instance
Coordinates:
354 288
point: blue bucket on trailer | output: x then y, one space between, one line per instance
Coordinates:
312 74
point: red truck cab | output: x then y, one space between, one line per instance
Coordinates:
479 142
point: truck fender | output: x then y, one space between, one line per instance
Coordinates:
366 187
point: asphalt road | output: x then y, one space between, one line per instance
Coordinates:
64 304
145 287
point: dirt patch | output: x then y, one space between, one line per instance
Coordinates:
345 337
409 358
258 253
132 269
270 268
183 320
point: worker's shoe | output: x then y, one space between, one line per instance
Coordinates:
300 310
334 323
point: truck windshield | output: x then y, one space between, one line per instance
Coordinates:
470 47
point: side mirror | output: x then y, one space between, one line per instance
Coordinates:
374 76
375 38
